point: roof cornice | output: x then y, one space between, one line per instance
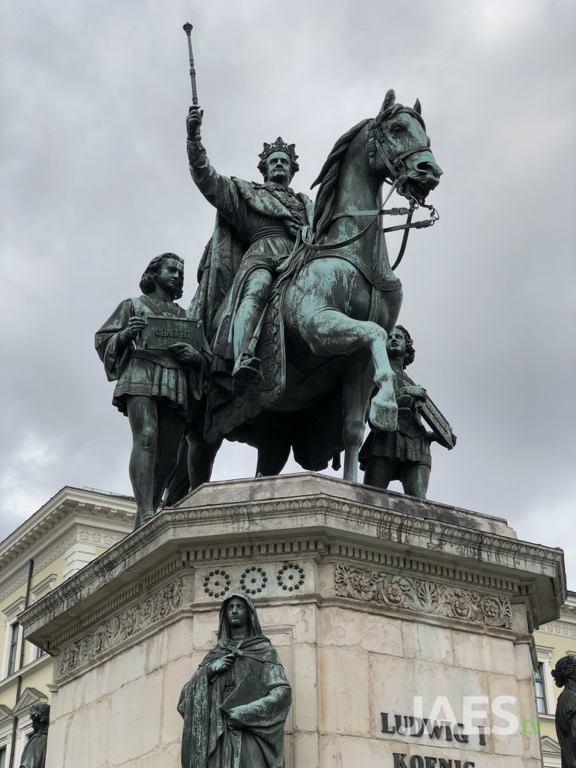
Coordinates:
99 507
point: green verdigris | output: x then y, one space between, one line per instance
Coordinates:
404 454
255 230
158 389
336 301
261 222
236 703
564 674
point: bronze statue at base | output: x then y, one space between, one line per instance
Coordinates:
147 347
237 701
405 454
34 755
564 674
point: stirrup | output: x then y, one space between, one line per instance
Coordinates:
247 370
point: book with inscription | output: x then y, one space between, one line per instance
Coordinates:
161 332
249 689
437 423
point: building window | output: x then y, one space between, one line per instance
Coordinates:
3 757
38 652
540 689
13 648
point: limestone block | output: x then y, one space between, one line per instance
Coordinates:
523 662
173 643
424 641
88 741
391 688
527 698
344 751
300 618
505 685
137 731
518 615
164 757
370 632
325 577
305 748
304 689
531 746
431 681
471 650
343 680
204 630
57 737
466 682
502 657
176 675
503 761
114 673
72 697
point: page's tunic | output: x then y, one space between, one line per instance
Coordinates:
142 372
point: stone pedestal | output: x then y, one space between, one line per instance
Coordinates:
402 625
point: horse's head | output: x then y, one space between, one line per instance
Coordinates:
399 149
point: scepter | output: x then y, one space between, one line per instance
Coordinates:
188 29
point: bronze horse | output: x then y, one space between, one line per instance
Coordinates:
341 299
344 298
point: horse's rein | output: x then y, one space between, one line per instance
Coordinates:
375 214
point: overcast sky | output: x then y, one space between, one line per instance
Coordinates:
95 183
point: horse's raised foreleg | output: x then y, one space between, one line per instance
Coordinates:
329 332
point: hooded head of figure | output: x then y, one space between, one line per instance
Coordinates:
224 629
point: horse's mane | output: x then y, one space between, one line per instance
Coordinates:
328 179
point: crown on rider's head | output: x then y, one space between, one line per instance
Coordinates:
278 146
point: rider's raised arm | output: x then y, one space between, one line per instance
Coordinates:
219 190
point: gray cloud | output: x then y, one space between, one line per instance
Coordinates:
95 183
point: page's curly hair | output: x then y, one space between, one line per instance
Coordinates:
148 279
410 351
564 670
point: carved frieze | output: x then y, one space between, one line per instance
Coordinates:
155 607
266 579
558 628
422 596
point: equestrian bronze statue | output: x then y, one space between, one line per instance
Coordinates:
321 349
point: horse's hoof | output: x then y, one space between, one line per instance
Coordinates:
384 417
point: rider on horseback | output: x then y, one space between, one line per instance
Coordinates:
260 222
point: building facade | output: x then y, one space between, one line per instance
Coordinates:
59 539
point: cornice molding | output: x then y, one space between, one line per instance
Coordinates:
101 507
315 525
97 537
558 628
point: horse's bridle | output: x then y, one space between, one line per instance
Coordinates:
394 166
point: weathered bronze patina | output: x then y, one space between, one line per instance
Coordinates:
405 453
321 346
147 347
255 232
34 754
564 674
236 703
